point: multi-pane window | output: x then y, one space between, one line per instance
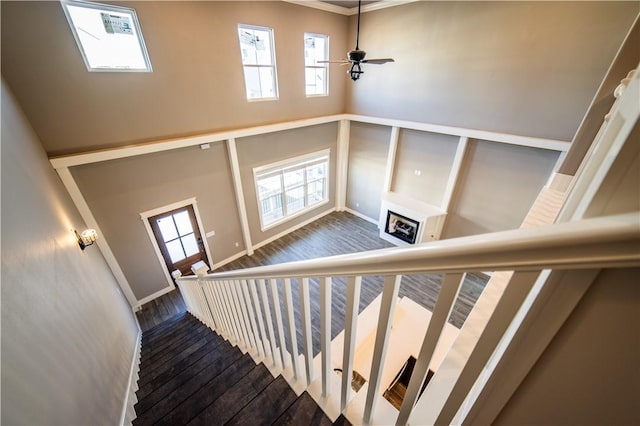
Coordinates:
178 235
259 63
316 48
109 37
290 188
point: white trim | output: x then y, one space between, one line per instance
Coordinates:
310 157
130 394
293 228
144 216
158 293
183 142
361 216
229 260
342 163
391 159
328 7
237 187
551 144
101 242
454 173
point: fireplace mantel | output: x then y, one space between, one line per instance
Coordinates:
429 218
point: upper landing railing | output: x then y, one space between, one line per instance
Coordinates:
236 303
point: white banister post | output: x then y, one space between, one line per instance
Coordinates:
350 327
291 325
252 318
451 284
305 317
387 311
277 360
278 312
325 334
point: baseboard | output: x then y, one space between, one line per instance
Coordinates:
155 295
228 260
128 411
293 228
361 216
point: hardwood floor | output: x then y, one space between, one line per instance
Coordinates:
161 309
190 375
337 233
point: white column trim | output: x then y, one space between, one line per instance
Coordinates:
342 164
454 174
391 159
101 242
237 186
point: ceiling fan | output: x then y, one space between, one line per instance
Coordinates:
356 57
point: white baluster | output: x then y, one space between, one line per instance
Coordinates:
350 327
229 307
385 319
208 289
233 289
255 339
325 334
305 317
276 307
277 360
256 304
219 292
451 284
291 325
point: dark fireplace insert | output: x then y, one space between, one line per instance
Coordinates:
401 227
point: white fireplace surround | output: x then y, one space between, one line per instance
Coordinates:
430 218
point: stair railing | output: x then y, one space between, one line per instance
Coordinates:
236 303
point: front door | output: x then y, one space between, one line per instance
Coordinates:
179 239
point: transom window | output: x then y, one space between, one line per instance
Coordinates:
109 37
316 48
258 60
290 188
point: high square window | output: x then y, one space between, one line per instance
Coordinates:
109 37
316 48
291 187
259 62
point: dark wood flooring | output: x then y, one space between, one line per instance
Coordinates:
190 375
161 309
338 233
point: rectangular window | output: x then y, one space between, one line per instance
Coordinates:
316 48
259 62
292 187
109 37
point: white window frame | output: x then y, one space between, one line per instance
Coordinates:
290 164
107 8
272 66
325 67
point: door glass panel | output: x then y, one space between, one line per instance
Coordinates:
175 251
167 228
190 244
183 222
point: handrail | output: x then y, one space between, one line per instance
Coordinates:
610 241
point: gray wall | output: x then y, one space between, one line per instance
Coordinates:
68 334
588 375
432 155
255 151
368 150
497 185
197 83
528 68
117 191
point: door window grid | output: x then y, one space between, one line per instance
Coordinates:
316 76
258 60
291 189
178 236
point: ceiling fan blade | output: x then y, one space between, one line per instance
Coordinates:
342 61
378 61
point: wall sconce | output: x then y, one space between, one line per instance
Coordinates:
88 237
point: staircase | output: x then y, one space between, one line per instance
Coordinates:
190 375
